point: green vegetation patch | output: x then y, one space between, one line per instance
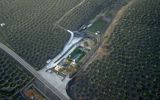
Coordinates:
132 69
85 12
99 25
12 77
77 54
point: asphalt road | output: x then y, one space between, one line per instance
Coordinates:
33 71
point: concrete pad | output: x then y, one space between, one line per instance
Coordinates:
56 80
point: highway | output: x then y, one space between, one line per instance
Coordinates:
33 71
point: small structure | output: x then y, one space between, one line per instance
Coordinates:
73 63
97 33
2 24
83 27
89 25
58 67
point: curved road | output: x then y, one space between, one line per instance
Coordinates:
33 71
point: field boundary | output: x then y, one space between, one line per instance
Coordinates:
67 13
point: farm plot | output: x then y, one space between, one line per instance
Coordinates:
98 26
30 28
84 13
12 77
132 69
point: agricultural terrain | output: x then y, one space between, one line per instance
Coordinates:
36 29
131 68
13 78
30 28
86 11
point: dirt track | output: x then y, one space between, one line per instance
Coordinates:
110 30
117 18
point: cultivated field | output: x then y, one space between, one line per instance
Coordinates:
31 30
32 26
12 77
131 71
85 12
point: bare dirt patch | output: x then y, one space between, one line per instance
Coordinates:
103 49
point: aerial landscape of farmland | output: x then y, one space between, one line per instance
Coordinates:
30 27
13 78
131 71
79 50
